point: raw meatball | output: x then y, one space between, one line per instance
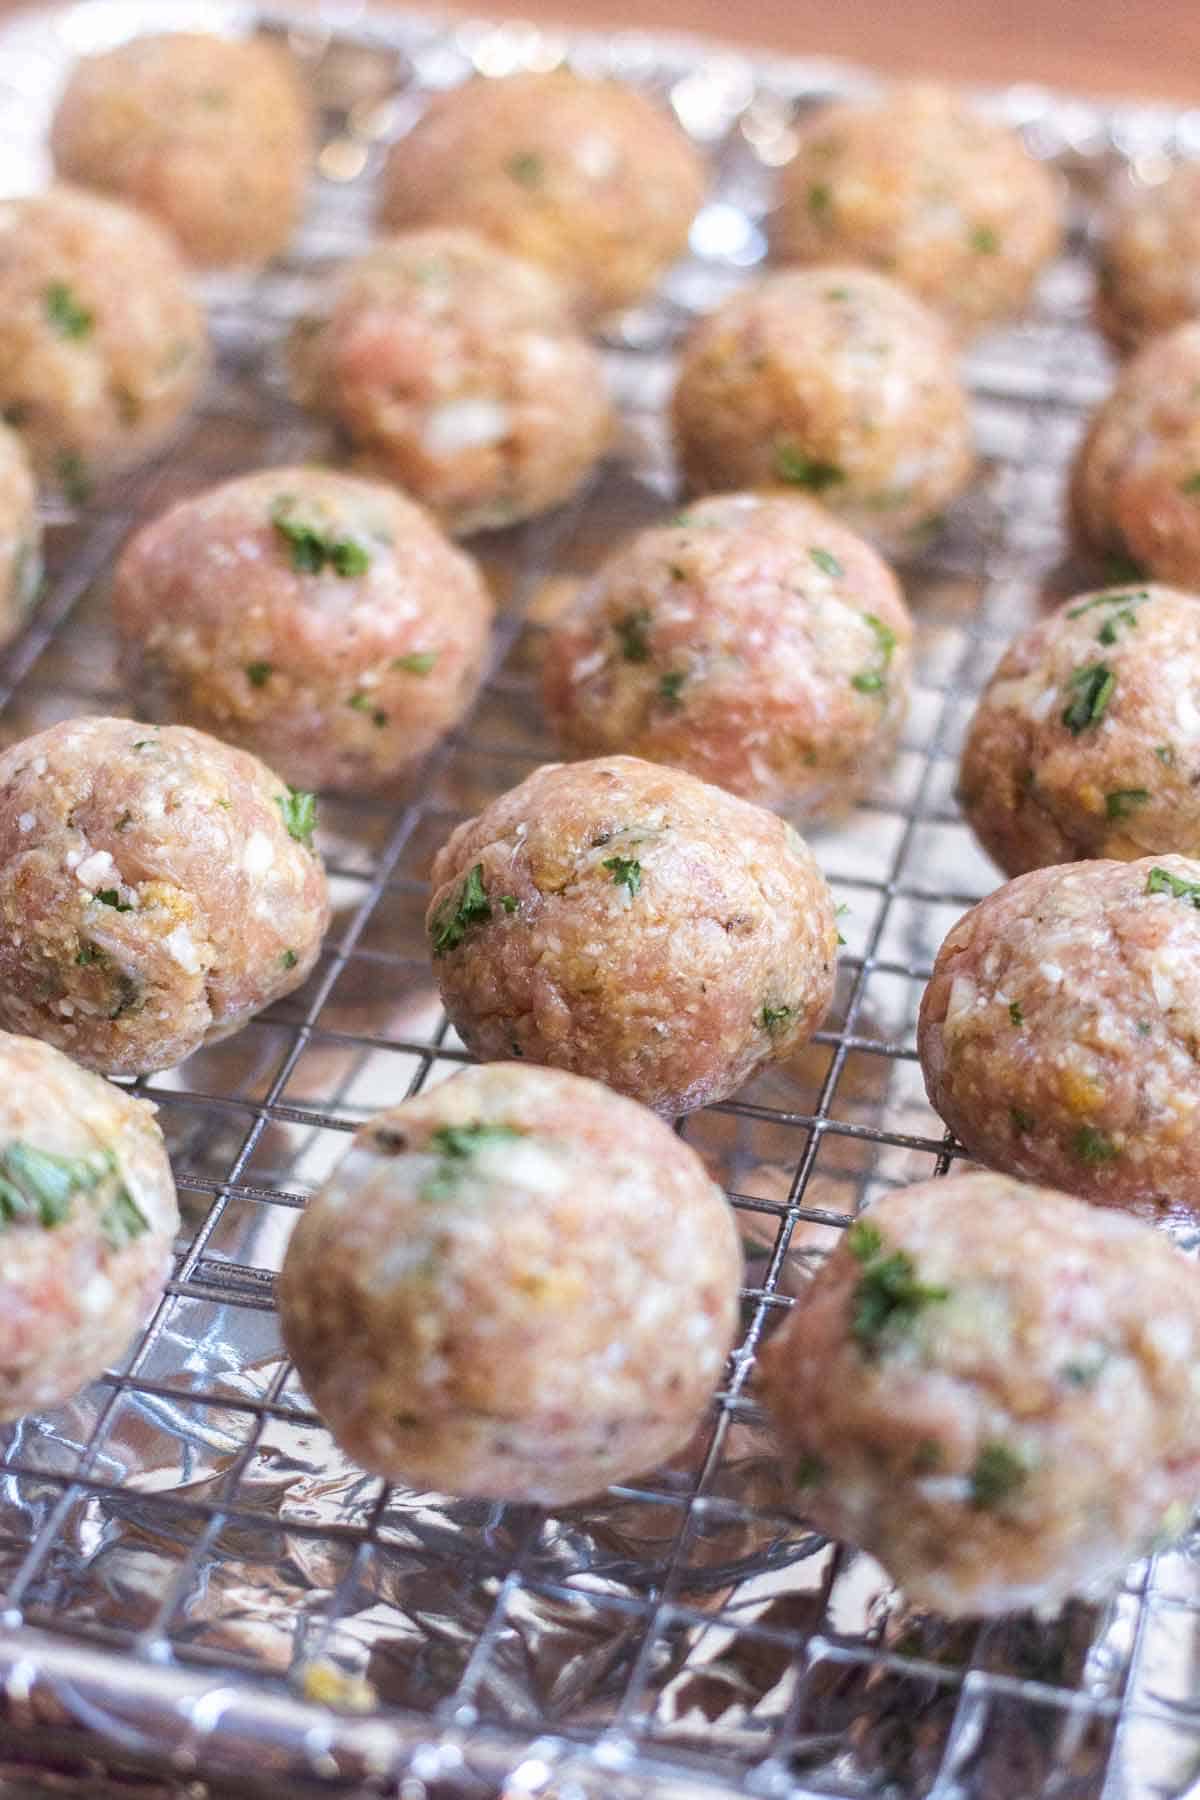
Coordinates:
211 136
633 924
102 347
917 184
1149 274
1086 741
156 890
752 640
1135 488
992 1388
589 178
87 1218
1058 1034
319 620
456 372
488 1296
835 381
20 536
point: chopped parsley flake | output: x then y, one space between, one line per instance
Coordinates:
1161 881
36 1184
526 167
1092 1147
1022 1122
873 681
68 317
889 1297
774 1018
112 897
73 477
289 959
363 703
259 673
631 630
312 549
1123 801
508 901
999 1473
803 471
417 662
456 1145
820 199
1015 1013
1119 568
123 1219
1165 754
1092 689
1191 485
827 562
1083 1374
299 810
626 872
984 240
88 954
454 917
669 687
810 1471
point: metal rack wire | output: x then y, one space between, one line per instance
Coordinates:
184 1545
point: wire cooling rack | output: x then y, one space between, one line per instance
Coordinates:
190 1568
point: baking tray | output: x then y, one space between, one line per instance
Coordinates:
192 1571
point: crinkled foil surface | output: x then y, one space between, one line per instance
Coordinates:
202 1595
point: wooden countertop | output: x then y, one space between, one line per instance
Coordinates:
1146 51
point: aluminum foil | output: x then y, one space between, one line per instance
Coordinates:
200 1592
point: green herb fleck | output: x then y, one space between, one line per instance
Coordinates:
1144 1028
889 1297
998 1474
259 673
810 1471
1123 801
417 662
123 1219
1022 1122
88 954
927 1457
1161 881
289 959
1092 1147
112 897
800 470
669 687
1092 688
363 703
820 199
1118 568
1084 1374
454 917
626 872
527 167
1015 1013
873 681
68 317
867 681
312 549
73 477
1165 754
631 630
456 1145
1191 485
36 1184
774 1018
299 810
827 562
984 240
508 901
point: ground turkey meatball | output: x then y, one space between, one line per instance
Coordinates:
1058 1034
457 372
319 620
487 1297
634 924
1149 274
995 1390
1086 741
752 640
589 178
917 184
835 381
102 347
212 136
1135 488
20 536
87 1218
157 889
